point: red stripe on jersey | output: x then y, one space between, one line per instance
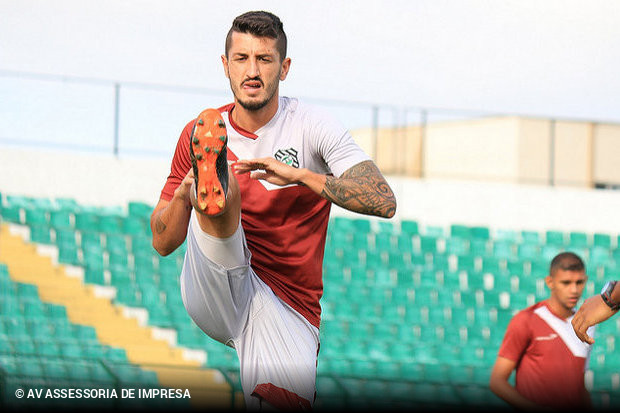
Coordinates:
280 398
229 108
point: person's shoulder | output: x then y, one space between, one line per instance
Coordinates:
226 108
302 108
526 314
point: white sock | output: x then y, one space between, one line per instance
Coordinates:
227 252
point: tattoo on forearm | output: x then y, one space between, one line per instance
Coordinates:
159 225
362 189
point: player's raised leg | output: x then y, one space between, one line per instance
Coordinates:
215 193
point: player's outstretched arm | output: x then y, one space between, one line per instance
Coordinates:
362 188
169 219
593 311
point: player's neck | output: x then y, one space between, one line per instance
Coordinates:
252 120
558 309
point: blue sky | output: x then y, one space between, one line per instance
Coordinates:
543 58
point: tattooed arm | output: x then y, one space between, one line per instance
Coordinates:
361 188
170 218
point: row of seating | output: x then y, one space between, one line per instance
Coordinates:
387 289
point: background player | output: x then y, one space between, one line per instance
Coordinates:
541 345
256 286
597 309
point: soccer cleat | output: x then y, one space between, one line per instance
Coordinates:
207 151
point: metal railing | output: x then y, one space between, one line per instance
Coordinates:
145 119
109 116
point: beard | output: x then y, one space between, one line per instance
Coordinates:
256 105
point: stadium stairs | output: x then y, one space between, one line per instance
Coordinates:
160 365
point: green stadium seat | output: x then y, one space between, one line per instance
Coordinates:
480 232
556 238
361 224
118 259
428 244
548 252
134 225
502 283
54 369
116 243
457 246
40 233
530 237
578 239
412 371
491 265
30 366
68 254
528 251
110 224
385 227
435 373
37 217
61 218
11 213
409 227
598 257
363 368
460 374
461 231
479 247
98 373
87 220
602 240
503 249
94 274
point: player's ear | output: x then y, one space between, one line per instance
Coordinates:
549 281
284 68
225 65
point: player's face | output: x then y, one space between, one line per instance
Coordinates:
254 69
566 287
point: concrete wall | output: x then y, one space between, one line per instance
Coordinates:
606 165
501 149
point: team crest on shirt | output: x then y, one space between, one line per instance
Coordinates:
287 156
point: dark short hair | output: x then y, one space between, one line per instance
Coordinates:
567 261
259 24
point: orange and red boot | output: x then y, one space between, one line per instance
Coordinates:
207 151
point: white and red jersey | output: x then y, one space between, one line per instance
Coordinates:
285 227
551 360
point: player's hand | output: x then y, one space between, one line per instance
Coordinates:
183 189
592 311
269 169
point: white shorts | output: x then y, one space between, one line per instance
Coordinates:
277 347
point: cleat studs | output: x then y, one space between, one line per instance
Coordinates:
216 151
199 156
201 122
220 203
195 140
216 190
223 138
208 134
220 123
207 149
